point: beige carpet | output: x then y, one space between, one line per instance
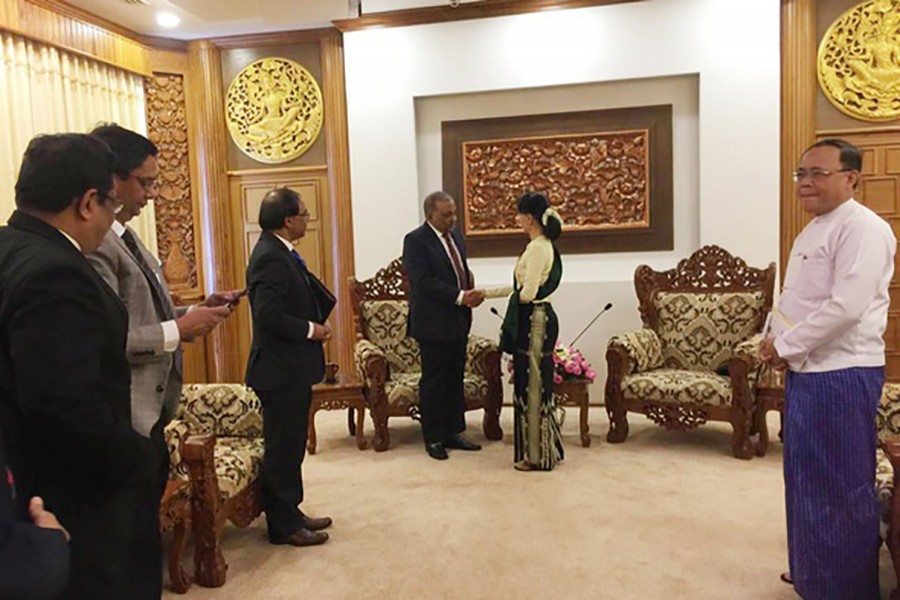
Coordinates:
664 515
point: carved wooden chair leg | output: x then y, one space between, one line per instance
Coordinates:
618 420
740 441
583 426
381 440
491 422
762 444
210 568
351 425
180 579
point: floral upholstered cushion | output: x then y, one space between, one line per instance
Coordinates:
222 409
643 348
674 386
700 331
384 323
476 348
238 462
884 479
404 388
175 433
888 415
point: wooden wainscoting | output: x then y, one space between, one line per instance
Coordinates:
247 191
880 191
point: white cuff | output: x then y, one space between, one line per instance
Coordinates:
312 330
171 336
459 299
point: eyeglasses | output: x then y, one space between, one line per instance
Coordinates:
815 174
303 215
146 182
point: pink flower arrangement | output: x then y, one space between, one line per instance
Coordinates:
569 365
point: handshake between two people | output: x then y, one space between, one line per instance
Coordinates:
472 298
202 318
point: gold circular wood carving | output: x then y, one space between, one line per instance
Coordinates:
274 110
859 61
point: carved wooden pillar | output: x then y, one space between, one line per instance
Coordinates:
337 149
798 109
207 101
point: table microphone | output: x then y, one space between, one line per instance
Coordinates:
496 312
605 308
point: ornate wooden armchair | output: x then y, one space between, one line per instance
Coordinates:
388 361
223 455
695 359
887 468
175 507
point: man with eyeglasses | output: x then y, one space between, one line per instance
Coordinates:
827 332
64 383
156 329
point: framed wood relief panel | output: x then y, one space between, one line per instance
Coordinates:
607 172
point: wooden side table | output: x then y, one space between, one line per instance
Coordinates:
347 393
575 393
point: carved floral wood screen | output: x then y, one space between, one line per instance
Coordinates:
167 128
607 173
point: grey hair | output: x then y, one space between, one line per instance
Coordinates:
432 199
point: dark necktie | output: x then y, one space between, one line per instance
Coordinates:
461 275
163 304
299 259
305 272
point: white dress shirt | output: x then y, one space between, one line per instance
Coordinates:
290 247
171 334
462 293
835 297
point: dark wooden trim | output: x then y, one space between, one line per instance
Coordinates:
480 10
276 38
161 43
659 235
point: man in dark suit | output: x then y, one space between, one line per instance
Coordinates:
286 359
441 298
156 328
64 378
34 551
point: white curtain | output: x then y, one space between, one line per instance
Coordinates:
45 90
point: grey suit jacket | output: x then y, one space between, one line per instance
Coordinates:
155 381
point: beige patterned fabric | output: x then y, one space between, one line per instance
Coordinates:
477 347
175 433
238 462
222 409
384 323
749 348
888 415
884 478
674 386
643 347
700 331
404 388
362 352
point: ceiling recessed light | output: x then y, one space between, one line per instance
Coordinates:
166 19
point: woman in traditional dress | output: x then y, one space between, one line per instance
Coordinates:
529 333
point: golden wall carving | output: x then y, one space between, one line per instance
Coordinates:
595 181
167 128
859 61
274 110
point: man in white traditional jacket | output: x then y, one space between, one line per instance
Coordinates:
827 332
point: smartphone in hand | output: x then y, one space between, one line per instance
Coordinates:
237 298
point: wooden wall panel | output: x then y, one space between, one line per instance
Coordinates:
68 28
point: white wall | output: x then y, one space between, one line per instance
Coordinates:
726 185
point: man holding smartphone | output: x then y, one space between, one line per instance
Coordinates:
156 328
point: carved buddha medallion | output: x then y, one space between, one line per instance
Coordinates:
859 61
274 110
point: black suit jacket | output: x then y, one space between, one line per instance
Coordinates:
65 398
434 315
34 562
282 357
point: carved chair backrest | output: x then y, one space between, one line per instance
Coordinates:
888 415
222 409
706 287
380 310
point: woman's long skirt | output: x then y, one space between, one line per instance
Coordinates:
537 438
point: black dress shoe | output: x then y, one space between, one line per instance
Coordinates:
316 524
436 451
458 442
302 537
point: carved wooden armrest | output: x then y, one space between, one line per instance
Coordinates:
640 350
891 448
199 454
748 350
371 363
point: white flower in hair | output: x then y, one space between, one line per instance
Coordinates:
550 212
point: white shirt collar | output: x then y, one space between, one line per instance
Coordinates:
287 244
71 239
435 230
118 228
